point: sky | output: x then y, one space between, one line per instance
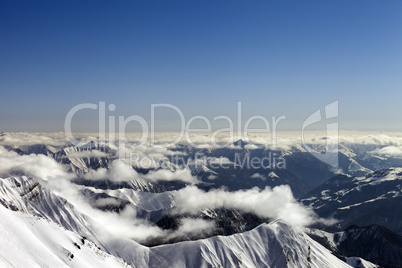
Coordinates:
277 58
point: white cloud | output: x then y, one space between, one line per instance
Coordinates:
24 138
167 175
272 203
389 151
258 176
191 226
268 203
39 166
251 146
54 176
212 177
118 171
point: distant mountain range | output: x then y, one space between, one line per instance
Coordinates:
362 196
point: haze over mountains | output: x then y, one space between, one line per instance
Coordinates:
206 209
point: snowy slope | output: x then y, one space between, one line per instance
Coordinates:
269 245
374 243
360 263
26 195
36 242
44 227
29 241
375 198
42 214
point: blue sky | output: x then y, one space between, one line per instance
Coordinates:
278 58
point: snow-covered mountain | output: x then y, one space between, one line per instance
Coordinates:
270 245
303 172
375 198
29 241
223 214
48 225
374 243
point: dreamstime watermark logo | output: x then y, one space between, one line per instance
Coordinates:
117 137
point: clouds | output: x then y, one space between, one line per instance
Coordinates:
270 203
212 177
118 171
167 175
281 140
258 176
275 203
121 171
25 138
395 151
39 166
54 176
126 224
190 226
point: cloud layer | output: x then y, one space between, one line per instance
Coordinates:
275 203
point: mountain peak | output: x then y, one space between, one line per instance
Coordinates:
240 143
